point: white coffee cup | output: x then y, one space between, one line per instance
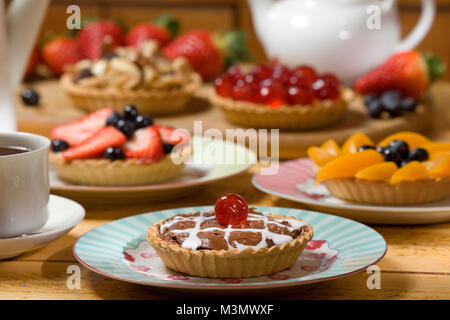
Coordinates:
24 184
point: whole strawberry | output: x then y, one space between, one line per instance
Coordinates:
409 72
162 29
94 36
59 53
208 53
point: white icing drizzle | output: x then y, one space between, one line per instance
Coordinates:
193 241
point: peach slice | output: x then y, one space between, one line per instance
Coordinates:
331 146
413 139
357 140
412 171
378 172
441 170
348 165
439 154
436 147
435 162
319 155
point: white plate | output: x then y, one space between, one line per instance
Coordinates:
64 214
295 181
205 168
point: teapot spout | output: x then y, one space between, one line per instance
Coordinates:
259 10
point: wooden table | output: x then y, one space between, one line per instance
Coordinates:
416 266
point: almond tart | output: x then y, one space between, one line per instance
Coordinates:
265 97
197 244
140 76
105 148
405 168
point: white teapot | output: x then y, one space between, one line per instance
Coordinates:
19 27
345 37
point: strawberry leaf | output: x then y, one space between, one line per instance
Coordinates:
169 23
436 67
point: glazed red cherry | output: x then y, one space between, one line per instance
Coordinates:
224 85
280 72
305 72
272 92
331 79
325 90
242 91
262 71
299 95
231 209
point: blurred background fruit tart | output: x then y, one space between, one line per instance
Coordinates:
274 96
233 241
105 148
394 88
139 75
404 168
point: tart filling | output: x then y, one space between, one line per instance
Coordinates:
201 231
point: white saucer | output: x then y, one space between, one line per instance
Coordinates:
64 214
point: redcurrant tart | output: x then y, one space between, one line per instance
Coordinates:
231 209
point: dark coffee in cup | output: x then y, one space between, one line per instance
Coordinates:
6 151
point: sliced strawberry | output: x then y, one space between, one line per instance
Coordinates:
172 135
77 131
96 145
145 144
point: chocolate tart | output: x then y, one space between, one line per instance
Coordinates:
198 245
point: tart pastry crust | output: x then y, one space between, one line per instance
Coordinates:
231 263
150 101
102 172
384 193
297 117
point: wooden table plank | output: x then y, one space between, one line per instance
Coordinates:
47 280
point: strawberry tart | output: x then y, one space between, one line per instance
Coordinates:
274 96
140 75
233 241
106 148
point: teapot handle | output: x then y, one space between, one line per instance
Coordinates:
422 27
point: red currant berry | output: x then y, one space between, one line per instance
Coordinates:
299 95
262 71
224 85
324 90
231 209
280 72
242 91
272 93
234 70
305 72
331 79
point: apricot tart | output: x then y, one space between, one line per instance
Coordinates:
273 96
140 76
404 168
231 242
106 148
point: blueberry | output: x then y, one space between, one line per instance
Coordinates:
375 109
168 147
59 145
391 155
369 99
130 112
401 147
418 154
391 102
366 147
113 118
408 104
30 97
143 121
84 73
127 127
114 153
